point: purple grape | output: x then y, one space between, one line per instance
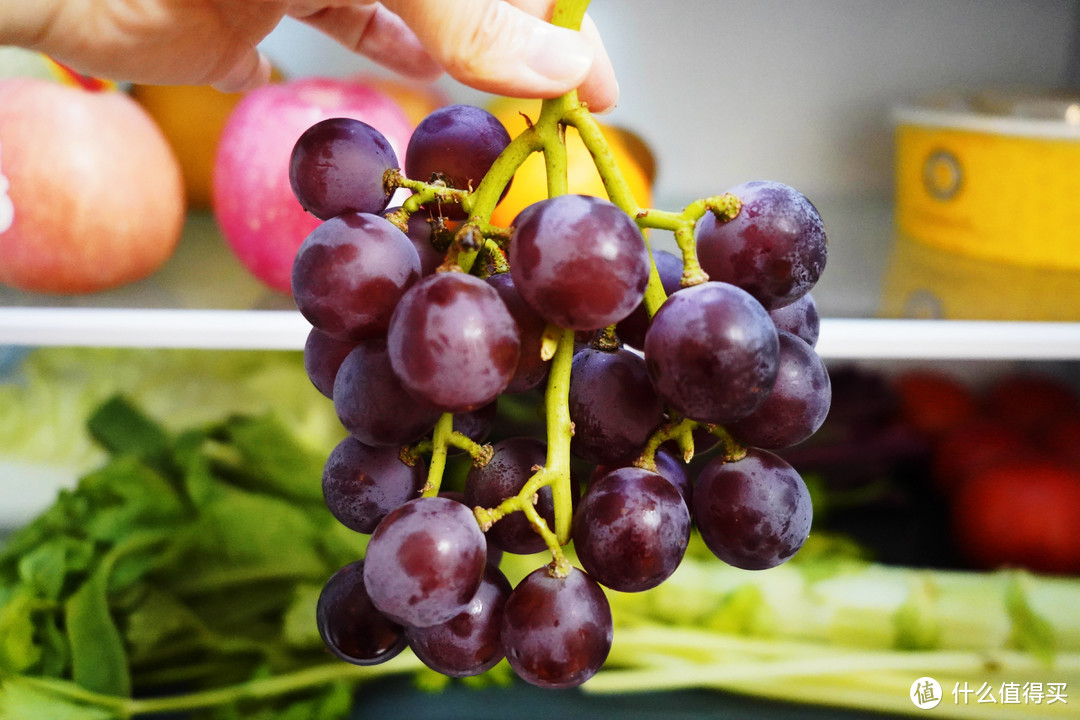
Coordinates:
800 318
754 513
323 356
671 467
456 144
775 248
362 484
453 343
557 632
349 624
494 554
337 167
712 352
420 232
631 529
468 643
579 261
797 405
531 369
612 404
425 561
510 467
631 330
350 273
372 404
668 466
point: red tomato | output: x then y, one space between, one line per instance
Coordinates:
973 446
1023 513
1031 401
933 402
1060 439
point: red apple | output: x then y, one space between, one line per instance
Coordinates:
91 195
253 200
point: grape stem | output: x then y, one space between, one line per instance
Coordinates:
682 432
423 193
439 440
556 470
548 136
443 438
682 224
559 432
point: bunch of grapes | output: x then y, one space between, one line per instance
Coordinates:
423 315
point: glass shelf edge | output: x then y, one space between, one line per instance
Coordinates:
154 328
908 339
841 338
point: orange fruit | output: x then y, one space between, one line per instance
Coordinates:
639 149
530 180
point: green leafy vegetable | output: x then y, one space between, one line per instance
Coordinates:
45 403
176 563
97 651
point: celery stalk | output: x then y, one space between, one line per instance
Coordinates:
854 634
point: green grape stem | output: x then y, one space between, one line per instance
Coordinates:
731 449
423 193
481 454
547 135
559 431
440 439
681 431
556 470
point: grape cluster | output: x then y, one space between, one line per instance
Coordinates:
424 314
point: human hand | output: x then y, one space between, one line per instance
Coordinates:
498 46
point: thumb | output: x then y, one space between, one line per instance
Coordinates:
495 47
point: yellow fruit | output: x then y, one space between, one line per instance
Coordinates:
530 181
192 118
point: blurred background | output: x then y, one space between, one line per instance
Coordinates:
797 92
950 321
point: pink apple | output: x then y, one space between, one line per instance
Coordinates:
253 201
91 195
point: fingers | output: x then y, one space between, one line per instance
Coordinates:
251 70
375 32
497 47
601 88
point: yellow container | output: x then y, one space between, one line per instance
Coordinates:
992 175
924 281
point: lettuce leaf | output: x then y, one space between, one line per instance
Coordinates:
46 397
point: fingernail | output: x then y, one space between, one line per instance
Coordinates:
614 102
560 55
